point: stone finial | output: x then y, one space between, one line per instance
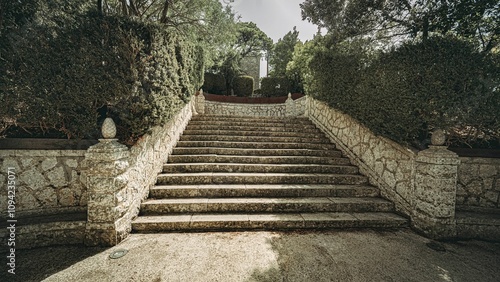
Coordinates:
201 92
108 129
289 95
438 137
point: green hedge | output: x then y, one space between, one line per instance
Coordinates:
275 86
66 76
243 86
408 92
214 83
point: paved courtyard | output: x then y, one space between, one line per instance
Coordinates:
266 256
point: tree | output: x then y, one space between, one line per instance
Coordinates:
377 19
249 41
197 19
297 68
282 53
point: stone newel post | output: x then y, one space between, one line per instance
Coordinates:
435 189
200 102
106 163
290 110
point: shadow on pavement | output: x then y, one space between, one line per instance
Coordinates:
39 263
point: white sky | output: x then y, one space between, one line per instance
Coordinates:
275 17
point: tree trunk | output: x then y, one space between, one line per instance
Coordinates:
133 8
164 12
124 7
425 28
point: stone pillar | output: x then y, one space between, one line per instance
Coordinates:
435 192
106 164
200 103
290 110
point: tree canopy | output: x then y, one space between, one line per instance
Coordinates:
282 53
477 19
249 41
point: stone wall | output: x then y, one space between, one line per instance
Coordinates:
147 158
387 164
119 179
48 181
85 196
478 183
428 186
289 108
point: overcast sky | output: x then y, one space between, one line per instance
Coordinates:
275 17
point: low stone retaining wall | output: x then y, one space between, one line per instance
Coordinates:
387 164
479 183
429 186
85 196
289 108
48 184
119 179
47 181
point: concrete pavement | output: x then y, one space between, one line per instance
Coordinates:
360 255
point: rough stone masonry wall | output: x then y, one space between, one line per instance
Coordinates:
273 110
387 164
478 183
118 178
48 181
147 158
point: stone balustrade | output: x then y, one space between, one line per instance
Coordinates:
289 108
108 181
427 186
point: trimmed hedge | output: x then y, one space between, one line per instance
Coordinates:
66 76
412 90
243 86
214 83
275 86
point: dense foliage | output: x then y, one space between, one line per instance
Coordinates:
275 86
214 84
243 86
281 55
405 68
248 41
407 92
478 20
63 71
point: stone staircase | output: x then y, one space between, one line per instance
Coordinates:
263 173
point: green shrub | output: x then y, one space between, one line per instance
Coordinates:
214 83
275 86
408 92
64 76
243 86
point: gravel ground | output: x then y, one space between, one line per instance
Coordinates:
265 256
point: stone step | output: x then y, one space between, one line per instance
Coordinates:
257 159
257 145
228 138
271 120
258 178
254 152
246 124
238 173
268 221
274 191
258 168
261 133
264 205
253 127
